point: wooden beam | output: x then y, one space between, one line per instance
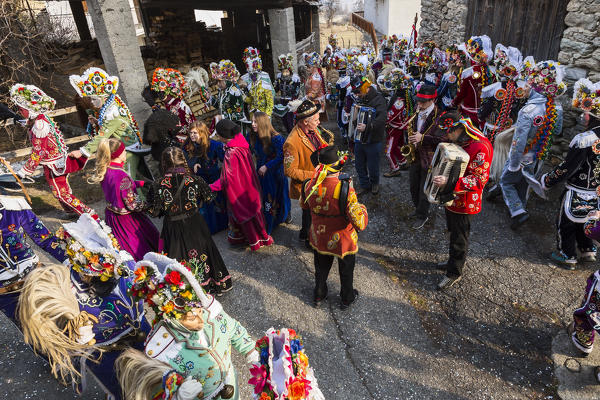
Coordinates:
217 4
80 20
11 155
54 113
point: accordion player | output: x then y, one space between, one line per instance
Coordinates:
451 161
362 115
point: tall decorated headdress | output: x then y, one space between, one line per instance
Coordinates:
92 249
286 62
508 61
313 60
546 78
224 70
586 96
400 79
457 54
32 99
169 81
283 372
333 40
172 293
355 66
252 59
340 62
479 49
95 82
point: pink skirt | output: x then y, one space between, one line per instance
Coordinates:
251 232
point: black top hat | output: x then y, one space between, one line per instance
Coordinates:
307 109
325 155
426 92
356 82
227 129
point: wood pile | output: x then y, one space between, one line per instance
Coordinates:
80 57
199 109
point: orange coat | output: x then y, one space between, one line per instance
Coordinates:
296 159
334 231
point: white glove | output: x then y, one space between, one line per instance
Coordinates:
85 334
188 390
253 357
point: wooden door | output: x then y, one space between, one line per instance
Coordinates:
533 26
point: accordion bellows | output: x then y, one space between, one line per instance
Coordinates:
451 161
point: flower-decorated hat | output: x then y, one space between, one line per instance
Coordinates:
314 59
586 96
283 372
400 79
355 66
224 70
172 293
169 81
94 82
546 78
92 249
479 49
252 59
508 61
32 99
333 40
285 62
457 54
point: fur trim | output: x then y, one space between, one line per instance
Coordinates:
490 90
584 139
467 73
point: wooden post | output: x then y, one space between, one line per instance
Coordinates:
80 20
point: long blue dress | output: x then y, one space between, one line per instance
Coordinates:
274 184
215 212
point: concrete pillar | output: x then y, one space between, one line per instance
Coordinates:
113 24
316 28
80 20
283 34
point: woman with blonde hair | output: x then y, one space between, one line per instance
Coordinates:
124 208
205 158
267 145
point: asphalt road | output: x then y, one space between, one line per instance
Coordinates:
489 337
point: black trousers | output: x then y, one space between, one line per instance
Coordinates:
417 176
323 263
459 226
570 236
306 219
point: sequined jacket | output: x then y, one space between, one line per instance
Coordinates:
492 98
230 102
333 231
260 98
204 356
529 120
468 189
17 258
164 200
48 147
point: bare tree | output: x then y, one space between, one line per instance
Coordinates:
359 5
330 9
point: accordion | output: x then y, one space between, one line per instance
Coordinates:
451 161
361 115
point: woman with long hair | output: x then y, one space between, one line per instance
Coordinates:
124 208
205 157
268 149
176 196
240 184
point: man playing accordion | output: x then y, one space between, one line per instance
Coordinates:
467 191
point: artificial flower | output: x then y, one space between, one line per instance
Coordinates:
298 389
259 378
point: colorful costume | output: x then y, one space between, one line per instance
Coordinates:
401 107
239 181
315 83
176 197
473 79
283 372
585 317
17 259
467 192
229 101
287 88
70 314
48 146
171 86
335 222
537 122
274 183
114 118
124 213
178 362
581 171
214 212
260 90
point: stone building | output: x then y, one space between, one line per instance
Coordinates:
563 30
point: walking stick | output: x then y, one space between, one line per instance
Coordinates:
7 165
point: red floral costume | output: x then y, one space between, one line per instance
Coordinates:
50 150
468 189
396 130
468 96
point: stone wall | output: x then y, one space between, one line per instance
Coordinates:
443 21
